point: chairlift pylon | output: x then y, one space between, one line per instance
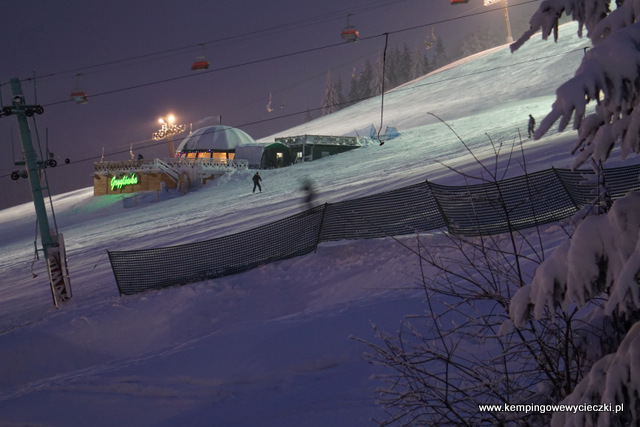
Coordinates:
350 32
201 62
78 94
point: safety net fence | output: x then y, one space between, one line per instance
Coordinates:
471 210
140 270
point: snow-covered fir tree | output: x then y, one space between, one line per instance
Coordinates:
392 71
419 64
331 98
365 81
360 84
377 82
400 67
480 40
602 259
440 56
308 116
404 65
354 88
339 91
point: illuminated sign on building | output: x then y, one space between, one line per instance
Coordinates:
131 179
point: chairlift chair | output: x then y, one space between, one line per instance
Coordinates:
269 107
459 1
78 95
350 33
201 62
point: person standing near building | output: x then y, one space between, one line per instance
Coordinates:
532 125
256 182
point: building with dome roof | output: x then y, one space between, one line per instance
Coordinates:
213 142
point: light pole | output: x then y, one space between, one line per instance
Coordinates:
167 130
505 12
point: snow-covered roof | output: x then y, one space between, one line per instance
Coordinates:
223 138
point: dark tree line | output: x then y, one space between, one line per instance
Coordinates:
401 66
404 64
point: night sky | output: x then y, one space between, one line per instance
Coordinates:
134 62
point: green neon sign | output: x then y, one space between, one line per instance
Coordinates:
131 179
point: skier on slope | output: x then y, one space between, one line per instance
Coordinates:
256 182
310 193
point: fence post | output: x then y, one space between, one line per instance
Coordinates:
324 210
435 198
566 190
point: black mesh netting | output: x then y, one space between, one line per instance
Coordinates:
619 181
472 210
404 211
141 270
497 207
581 186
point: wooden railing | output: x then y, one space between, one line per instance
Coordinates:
176 163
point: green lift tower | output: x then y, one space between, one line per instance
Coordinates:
52 242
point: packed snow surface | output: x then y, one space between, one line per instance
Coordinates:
270 347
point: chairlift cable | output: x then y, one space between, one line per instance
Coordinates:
259 60
224 68
257 33
234 37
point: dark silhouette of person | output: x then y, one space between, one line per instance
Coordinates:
256 182
310 193
532 125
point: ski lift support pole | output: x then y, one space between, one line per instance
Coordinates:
52 243
384 67
30 158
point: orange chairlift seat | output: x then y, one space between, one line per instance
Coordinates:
201 62
350 33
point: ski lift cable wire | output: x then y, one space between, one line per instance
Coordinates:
259 61
224 68
257 33
384 67
166 53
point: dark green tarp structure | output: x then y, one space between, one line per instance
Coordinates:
314 147
276 155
